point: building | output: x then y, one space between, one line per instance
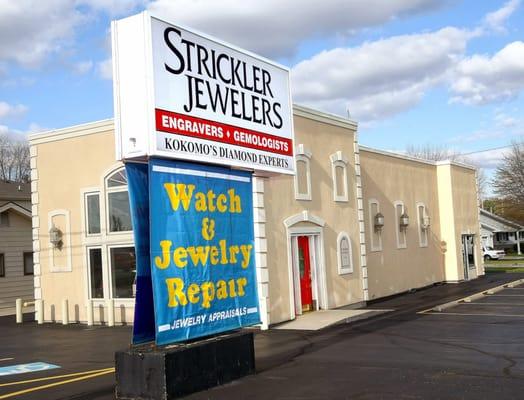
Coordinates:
501 233
354 224
16 253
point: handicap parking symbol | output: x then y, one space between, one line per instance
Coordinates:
26 368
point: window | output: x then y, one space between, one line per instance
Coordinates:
302 174
93 213
2 265
118 211
340 176
423 225
28 263
96 284
345 259
521 235
502 236
375 232
4 219
400 230
123 271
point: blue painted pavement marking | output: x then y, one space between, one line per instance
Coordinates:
25 368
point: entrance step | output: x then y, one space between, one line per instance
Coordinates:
316 320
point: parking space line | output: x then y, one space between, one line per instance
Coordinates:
7 359
491 304
48 378
49 385
473 315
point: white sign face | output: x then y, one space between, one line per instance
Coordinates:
183 95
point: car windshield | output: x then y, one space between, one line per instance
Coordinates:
489 248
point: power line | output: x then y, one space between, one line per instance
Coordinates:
483 151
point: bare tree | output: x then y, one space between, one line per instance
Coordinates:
508 182
441 153
14 160
432 153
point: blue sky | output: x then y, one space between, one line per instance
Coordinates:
411 72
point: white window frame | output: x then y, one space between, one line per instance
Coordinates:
107 191
110 269
401 234
88 262
423 233
341 269
86 212
374 246
303 155
339 161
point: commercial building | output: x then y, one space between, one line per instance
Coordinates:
353 224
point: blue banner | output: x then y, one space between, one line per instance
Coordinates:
144 320
202 250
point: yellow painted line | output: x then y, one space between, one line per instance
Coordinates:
47 378
49 385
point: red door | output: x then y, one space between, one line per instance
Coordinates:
304 268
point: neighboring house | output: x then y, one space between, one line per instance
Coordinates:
16 246
501 233
354 224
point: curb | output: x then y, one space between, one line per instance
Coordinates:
470 298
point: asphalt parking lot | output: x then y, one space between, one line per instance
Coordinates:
469 351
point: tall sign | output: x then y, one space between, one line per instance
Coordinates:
184 95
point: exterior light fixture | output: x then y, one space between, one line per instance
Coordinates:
55 236
404 221
426 222
379 222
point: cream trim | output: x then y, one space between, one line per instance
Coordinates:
423 233
320 116
350 269
400 234
374 246
67 241
338 160
303 155
304 216
89 128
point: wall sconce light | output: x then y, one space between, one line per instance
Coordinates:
379 222
55 236
404 221
426 222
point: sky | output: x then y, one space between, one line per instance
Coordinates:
444 73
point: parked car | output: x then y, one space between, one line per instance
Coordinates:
491 254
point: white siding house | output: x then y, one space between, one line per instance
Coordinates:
16 246
500 233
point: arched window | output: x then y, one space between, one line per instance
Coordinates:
345 254
340 176
118 212
302 174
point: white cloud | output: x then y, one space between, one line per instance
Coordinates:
496 20
487 159
275 28
115 7
82 67
32 30
482 79
378 79
105 69
9 110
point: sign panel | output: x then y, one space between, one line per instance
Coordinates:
184 95
202 250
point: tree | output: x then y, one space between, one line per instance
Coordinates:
508 182
441 153
432 153
14 160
